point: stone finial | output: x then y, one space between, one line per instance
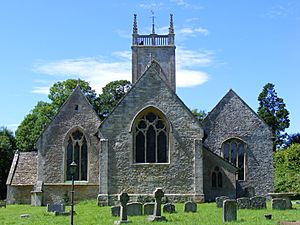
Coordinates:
171 28
134 24
153 25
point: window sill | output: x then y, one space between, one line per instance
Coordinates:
149 164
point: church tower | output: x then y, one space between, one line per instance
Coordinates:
160 48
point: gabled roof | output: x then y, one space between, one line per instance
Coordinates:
158 71
220 158
230 94
76 91
23 170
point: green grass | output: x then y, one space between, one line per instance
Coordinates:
88 213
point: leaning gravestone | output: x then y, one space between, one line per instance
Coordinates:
134 209
123 198
243 203
56 208
158 194
169 208
190 206
220 200
258 202
229 210
115 210
278 203
149 208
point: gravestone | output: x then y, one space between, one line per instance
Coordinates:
123 198
158 194
220 200
278 203
115 210
134 209
190 206
169 208
55 208
229 210
243 203
149 208
258 202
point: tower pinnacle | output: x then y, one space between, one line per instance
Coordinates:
171 28
134 24
153 26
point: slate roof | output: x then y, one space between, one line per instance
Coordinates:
23 170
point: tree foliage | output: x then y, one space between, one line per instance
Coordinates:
7 148
34 123
200 115
287 169
60 92
111 95
273 111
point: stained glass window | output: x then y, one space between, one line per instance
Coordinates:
234 151
77 151
151 139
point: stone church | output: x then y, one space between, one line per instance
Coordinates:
150 139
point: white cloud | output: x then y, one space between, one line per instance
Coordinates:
190 78
193 58
151 6
99 70
41 90
191 32
95 70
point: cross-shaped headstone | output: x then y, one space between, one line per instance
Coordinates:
158 194
123 198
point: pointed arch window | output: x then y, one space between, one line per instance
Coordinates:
216 178
234 152
151 138
77 151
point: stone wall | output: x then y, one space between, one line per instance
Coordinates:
20 194
210 161
165 55
175 177
76 113
232 118
62 193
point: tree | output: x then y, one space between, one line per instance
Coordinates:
111 95
33 124
272 110
7 148
60 91
200 115
287 169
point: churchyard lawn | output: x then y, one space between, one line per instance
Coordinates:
88 213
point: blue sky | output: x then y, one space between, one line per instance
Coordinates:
220 45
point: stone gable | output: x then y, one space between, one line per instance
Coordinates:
75 113
233 118
177 176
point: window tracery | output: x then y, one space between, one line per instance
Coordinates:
151 138
77 151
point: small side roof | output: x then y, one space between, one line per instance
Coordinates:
23 170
